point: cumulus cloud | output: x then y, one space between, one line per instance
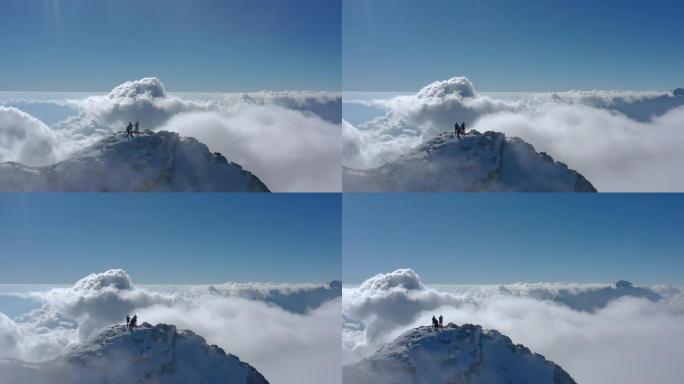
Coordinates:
274 327
289 139
598 333
25 139
619 140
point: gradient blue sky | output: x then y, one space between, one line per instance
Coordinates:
509 237
503 45
198 45
170 238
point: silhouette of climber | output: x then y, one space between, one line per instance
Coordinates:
441 321
129 129
134 321
435 324
137 128
128 320
457 129
463 128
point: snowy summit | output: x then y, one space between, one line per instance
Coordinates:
456 355
146 354
477 162
148 162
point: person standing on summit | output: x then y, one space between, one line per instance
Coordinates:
129 129
441 321
457 129
435 324
137 128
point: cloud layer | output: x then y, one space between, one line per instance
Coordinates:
599 333
274 327
619 140
290 140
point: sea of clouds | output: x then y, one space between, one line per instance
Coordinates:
598 333
288 332
289 139
619 140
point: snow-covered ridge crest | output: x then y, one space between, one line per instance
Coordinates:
150 354
153 161
477 162
454 354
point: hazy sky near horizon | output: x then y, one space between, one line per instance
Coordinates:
170 238
200 45
509 237
502 45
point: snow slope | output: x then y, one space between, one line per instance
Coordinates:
455 355
477 162
148 354
154 161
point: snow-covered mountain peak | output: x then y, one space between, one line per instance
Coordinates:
457 355
145 354
476 162
152 161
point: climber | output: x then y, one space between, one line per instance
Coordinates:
134 321
128 320
463 128
129 129
457 129
137 129
435 324
441 321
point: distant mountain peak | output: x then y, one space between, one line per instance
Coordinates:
153 161
487 162
146 354
457 355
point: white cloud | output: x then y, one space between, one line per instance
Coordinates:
25 139
273 327
289 139
288 150
619 140
612 151
628 336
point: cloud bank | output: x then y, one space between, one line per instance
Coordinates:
598 333
274 327
290 140
619 140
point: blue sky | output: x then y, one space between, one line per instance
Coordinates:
505 238
199 45
170 238
503 45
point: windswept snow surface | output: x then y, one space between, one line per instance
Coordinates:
272 326
290 139
619 140
598 332
488 162
146 354
454 354
150 162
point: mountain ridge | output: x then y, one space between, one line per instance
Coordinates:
145 354
153 161
454 354
477 162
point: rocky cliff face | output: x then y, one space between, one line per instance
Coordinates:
489 162
456 355
153 161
